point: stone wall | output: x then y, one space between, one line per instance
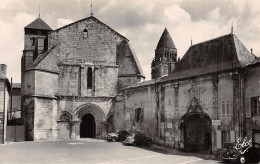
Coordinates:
97 43
45 119
28 85
28 110
162 121
46 84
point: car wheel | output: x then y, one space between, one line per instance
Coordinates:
148 143
134 143
113 139
242 159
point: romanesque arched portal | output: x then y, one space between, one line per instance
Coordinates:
92 119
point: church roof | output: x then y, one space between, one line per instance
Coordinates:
141 84
216 55
39 24
165 40
39 59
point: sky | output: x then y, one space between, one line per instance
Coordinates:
142 22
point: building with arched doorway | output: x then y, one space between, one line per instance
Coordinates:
200 102
71 77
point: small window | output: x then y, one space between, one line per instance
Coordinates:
139 115
89 78
85 33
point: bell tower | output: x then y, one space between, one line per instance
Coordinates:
165 56
35 41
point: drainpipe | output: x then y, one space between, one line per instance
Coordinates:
157 106
243 103
4 129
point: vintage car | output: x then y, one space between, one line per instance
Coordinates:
137 138
250 154
118 136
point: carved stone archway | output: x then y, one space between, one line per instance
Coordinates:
196 129
96 112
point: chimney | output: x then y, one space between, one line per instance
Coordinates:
2 71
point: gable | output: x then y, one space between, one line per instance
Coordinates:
87 40
127 60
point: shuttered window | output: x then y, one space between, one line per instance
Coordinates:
225 108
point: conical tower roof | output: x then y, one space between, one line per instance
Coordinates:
39 24
165 40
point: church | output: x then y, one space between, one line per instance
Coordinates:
71 77
84 80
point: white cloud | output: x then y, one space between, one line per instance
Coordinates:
177 15
11 5
214 15
63 21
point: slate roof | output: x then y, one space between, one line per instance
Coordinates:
141 84
38 24
256 61
165 40
219 54
39 59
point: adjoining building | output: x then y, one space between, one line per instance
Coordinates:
198 103
5 88
14 112
71 76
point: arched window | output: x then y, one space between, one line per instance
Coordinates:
33 41
85 33
89 78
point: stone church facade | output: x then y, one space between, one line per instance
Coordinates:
200 102
71 76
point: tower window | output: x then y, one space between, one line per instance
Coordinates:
89 78
33 41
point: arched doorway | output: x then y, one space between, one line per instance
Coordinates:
197 132
88 126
